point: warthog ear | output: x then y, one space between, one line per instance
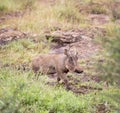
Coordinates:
76 53
77 56
66 52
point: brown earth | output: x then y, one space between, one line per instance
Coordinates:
76 81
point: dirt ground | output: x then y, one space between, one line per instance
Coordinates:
76 81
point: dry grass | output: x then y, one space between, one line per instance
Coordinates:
67 15
47 17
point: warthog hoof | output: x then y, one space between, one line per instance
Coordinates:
67 88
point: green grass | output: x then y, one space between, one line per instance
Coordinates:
109 69
21 52
20 92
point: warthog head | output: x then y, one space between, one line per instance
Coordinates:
71 61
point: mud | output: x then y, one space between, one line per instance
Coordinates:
75 83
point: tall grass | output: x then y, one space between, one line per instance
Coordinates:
15 5
44 17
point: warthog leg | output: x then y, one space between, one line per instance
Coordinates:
63 77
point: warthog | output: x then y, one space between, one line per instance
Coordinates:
59 63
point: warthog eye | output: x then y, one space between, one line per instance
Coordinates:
71 61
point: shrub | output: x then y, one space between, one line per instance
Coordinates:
110 67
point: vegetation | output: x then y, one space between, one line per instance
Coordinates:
15 5
19 90
110 67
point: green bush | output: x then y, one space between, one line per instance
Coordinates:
110 68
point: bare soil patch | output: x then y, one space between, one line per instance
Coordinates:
76 81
